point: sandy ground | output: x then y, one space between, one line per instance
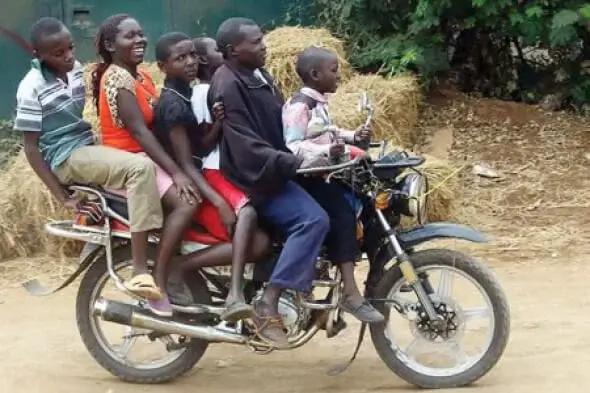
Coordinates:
548 350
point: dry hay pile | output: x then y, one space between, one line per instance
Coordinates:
27 205
284 45
395 103
443 185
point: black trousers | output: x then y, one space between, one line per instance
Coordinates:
341 239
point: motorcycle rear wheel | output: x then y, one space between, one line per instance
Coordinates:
96 276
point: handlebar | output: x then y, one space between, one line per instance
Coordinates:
381 145
328 168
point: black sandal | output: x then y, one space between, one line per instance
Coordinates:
364 312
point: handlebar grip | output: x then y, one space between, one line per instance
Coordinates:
329 168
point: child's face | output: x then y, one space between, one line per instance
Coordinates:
56 51
214 58
251 52
327 75
182 62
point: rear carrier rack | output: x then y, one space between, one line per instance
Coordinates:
70 230
99 234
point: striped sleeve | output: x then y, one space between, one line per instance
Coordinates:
29 116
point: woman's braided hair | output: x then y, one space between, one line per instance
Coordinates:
106 32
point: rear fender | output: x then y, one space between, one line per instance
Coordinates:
440 230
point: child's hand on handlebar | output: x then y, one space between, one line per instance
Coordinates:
337 150
363 133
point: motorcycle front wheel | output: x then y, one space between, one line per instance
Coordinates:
418 362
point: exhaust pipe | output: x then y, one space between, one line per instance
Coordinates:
130 315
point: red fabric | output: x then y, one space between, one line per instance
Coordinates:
356 151
189 236
207 215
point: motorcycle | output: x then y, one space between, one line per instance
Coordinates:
399 283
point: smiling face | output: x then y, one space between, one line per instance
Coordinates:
182 63
130 43
56 51
251 52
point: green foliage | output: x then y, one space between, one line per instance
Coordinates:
487 41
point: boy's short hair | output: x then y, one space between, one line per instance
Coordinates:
166 41
201 48
45 27
229 33
310 58
200 45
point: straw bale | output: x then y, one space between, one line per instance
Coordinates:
26 205
284 45
443 186
395 102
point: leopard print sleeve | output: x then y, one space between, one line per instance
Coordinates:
117 78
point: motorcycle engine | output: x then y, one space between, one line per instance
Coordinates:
295 318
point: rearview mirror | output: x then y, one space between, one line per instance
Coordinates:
364 103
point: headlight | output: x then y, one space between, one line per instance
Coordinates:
413 186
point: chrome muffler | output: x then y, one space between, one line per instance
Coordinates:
131 315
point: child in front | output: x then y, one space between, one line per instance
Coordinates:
310 134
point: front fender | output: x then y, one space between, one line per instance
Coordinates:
439 230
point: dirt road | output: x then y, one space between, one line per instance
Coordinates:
549 348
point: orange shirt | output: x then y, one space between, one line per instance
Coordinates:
113 132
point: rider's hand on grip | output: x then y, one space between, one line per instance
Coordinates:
73 203
363 133
86 208
337 150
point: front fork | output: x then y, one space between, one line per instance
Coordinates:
407 269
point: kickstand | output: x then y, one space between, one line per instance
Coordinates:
340 368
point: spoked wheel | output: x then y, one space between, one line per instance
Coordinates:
140 355
471 332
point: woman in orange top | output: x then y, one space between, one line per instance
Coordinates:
125 97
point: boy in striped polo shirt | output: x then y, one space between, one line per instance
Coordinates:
60 147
